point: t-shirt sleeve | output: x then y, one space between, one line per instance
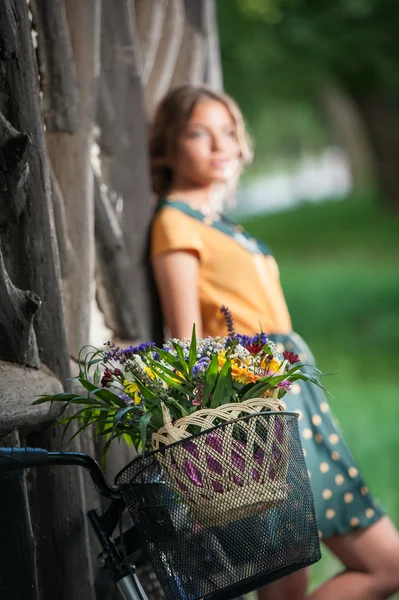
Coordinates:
172 230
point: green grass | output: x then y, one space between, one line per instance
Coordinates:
339 266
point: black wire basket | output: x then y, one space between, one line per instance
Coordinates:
269 530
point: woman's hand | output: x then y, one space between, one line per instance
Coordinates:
176 274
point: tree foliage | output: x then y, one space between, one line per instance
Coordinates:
280 53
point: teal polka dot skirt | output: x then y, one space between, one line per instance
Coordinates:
342 500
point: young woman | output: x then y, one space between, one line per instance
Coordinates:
200 261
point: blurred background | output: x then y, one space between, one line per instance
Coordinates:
318 83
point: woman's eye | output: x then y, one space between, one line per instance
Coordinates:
195 134
231 133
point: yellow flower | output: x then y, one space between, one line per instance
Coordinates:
131 387
243 375
221 360
272 366
238 373
149 372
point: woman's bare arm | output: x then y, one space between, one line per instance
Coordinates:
176 274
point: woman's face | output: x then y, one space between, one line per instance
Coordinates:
207 149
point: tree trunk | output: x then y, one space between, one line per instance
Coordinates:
351 133
71 159
382 124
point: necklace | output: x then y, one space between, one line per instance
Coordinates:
204 209
219 222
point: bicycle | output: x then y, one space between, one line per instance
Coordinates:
191 560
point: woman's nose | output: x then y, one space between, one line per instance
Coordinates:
218 142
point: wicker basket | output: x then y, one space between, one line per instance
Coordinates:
236 471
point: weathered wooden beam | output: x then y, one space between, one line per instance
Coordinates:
57 497
18 575
19 386
106 117
150 17
166 56
71 161
14 171
190 64
58 78
126 169
17 311
66 252
113 275
213 65
32 257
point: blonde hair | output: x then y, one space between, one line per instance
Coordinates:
170 118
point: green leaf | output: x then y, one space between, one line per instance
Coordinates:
183 366
143 423
224 386
119 415
127 439
169 358
178 405
158 368
192 357
61 397
157 418
145 391
103 393
210 379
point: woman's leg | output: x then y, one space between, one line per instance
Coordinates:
292 587
371 558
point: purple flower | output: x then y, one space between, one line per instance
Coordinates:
285 385
123 354
200 365
226 312
126 399
260 338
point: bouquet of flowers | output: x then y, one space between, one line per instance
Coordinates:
210 409
135 391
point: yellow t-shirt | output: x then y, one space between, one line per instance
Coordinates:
230 273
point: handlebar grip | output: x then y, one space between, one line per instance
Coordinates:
12 459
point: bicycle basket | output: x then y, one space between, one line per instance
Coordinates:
249 534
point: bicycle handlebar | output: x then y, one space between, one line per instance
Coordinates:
22 458
12 459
